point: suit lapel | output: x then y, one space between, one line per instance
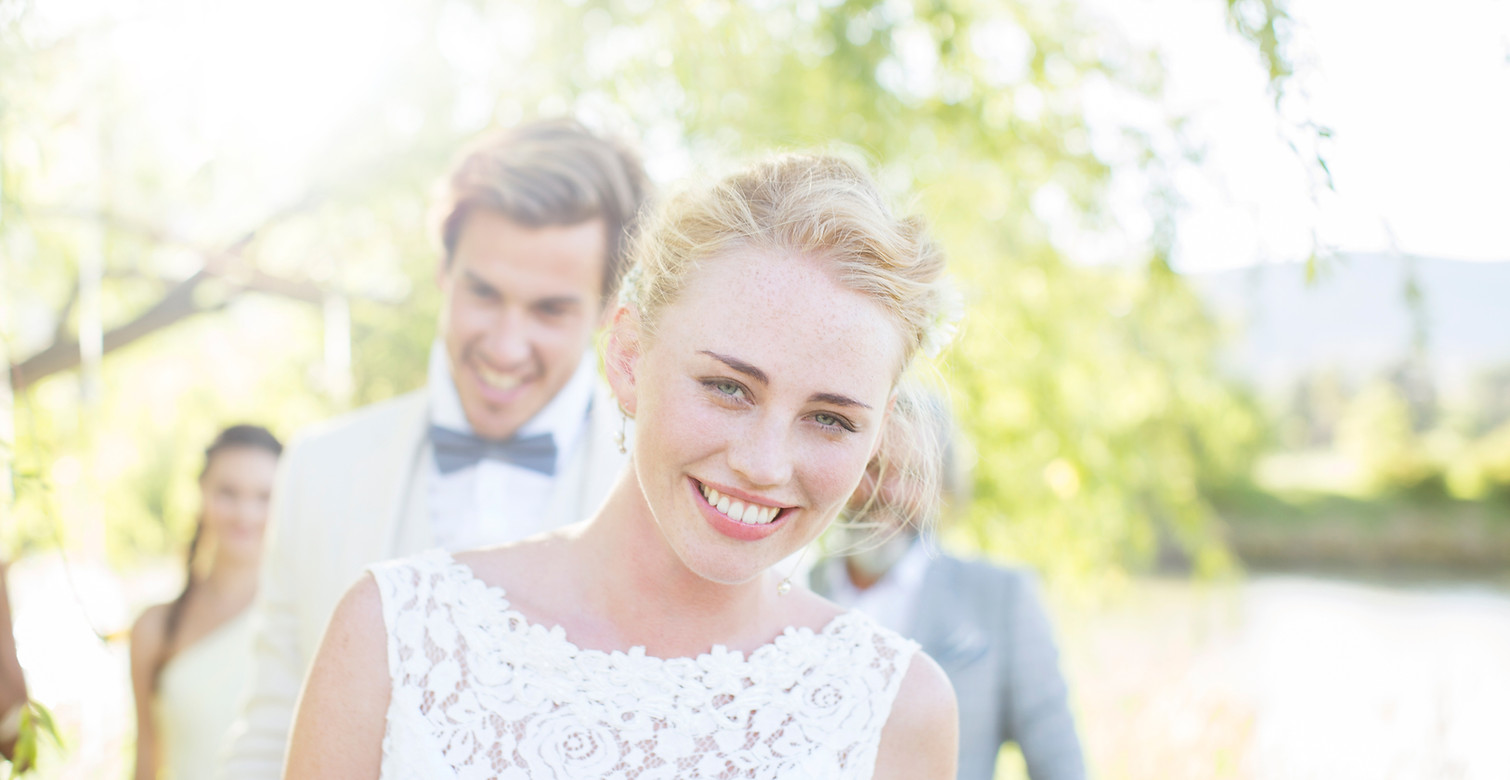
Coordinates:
587 476
398 496
939 625
930 614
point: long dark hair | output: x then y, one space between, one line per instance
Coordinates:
234 437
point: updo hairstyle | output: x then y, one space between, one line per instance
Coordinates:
813 205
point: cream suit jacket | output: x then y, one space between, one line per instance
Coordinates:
347 495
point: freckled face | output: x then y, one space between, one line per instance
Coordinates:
235 490
757 405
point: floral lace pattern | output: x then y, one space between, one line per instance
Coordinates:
480 692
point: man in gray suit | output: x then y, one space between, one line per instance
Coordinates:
984 624
513 434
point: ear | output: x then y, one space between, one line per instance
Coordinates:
622 355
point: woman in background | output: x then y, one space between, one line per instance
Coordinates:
190 656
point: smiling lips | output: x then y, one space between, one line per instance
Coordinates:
497 381
748 513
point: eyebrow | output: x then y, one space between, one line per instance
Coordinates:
477 281
760 376
836 400
553 300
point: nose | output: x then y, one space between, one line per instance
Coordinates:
760 454
507 343
251 513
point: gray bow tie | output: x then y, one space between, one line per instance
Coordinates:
455 450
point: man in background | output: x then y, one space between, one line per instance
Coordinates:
984 624
514 432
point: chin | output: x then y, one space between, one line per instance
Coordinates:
244 551
726 567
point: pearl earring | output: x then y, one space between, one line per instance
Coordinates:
618 438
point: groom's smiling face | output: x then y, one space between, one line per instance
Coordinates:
520 307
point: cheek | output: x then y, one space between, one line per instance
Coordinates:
568 334
219 511
675 423
464 320
830 474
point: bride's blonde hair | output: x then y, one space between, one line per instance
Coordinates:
819 206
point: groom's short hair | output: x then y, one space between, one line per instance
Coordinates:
549 173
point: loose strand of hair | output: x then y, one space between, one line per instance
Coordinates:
176 607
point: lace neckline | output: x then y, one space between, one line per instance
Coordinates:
496 598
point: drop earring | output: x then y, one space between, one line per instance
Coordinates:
618 438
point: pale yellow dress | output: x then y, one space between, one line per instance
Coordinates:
199 696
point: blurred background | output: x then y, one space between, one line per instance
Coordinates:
1236 363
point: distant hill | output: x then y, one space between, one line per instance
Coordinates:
1354 317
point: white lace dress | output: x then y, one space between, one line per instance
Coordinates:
480 692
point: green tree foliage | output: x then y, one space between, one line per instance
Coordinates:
1378 433
1097 414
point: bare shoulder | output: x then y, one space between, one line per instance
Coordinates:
926 699
359 615
148 632
338 726
921 738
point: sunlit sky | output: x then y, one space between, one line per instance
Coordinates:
1417 97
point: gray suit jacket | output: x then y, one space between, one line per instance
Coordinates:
986 626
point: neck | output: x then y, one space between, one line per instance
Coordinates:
232 577
652 597
860 578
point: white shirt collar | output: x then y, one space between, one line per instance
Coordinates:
905 575
563 417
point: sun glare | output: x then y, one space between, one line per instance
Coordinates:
271 83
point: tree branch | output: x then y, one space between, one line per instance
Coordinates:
63 355
61 331
178 302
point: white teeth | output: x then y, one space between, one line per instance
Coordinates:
749 514
497 381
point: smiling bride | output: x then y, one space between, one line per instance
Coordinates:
757 346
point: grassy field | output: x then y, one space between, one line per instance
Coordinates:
1424 529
